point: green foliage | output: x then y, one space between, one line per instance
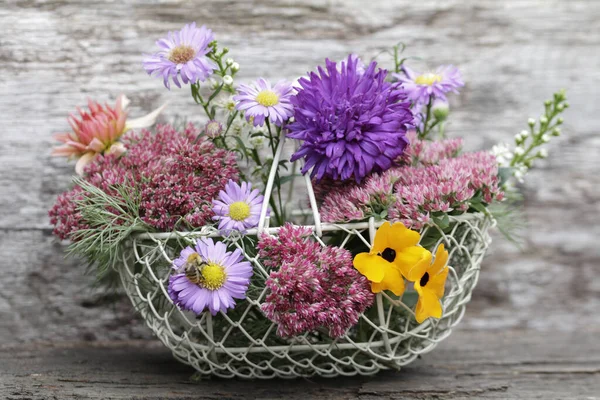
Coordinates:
111 219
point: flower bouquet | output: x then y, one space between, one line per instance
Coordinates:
322 227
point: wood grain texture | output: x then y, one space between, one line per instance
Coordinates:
513 53
501 365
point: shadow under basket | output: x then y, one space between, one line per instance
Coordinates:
244 343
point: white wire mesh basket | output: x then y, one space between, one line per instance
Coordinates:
244 343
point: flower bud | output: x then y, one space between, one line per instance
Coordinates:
559 121
545 138
213 129
235 67
556 132
227 79
543 120
531 122
440 110
524 134
543 153
229 61
519 151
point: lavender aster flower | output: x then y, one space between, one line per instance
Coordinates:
262 101
238 207
182 55
208 276
351 123
428 86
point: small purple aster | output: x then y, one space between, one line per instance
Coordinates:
429 86
238 207
182 55
208 276
351 122
261 101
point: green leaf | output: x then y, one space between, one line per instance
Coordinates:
212 96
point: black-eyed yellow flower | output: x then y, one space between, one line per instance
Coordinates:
430 280
394 250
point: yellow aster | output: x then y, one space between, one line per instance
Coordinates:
430 286
394 251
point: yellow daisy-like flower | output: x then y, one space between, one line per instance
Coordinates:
394 250
430 280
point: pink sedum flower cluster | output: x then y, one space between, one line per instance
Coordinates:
311 286
411 194
427 152
177 178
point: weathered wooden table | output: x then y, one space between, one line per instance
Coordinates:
532 328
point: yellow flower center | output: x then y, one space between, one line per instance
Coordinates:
428 79
239 210
267 98
182 54
213 276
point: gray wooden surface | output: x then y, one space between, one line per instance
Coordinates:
532 328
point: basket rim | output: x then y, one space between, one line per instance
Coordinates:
209 231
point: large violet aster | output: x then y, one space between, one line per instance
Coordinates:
208 276
238 207
182 55
429 86
350 122
263 100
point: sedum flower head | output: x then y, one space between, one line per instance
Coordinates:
351 123
310 286
175 175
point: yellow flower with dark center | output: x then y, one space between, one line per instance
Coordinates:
430 280
394 250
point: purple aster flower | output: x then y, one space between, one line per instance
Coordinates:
428 86
262 101
182 55
351 122
238 207
208 276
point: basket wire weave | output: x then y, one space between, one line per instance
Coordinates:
230 345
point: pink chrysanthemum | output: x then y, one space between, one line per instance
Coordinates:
182 55
238 207
208 276
312 287
262 100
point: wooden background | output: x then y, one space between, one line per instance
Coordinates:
532 328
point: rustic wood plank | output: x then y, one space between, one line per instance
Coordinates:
503 364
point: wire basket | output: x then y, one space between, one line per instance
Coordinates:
243 342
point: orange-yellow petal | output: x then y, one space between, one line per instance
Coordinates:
371 266
392 281
437 283
413 262
382 238
441 258
396 237
428 305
